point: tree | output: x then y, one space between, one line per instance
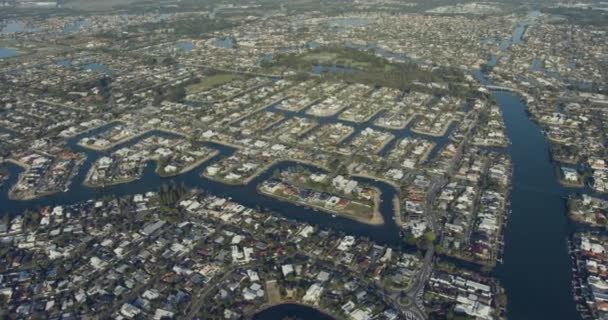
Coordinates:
429 236
410 239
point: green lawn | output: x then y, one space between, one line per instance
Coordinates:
208 82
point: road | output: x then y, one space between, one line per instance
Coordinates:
413 309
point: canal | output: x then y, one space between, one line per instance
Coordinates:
536 270
291 311
536 265
8 52
387 233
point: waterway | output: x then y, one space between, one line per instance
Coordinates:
536 265
97 67
75 26
388 233
225 43
7 52
295 311
536 270
321 68
398 134
18 27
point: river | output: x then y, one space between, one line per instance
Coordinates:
536 265
536 270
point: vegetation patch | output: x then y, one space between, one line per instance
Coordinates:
211 81
366 67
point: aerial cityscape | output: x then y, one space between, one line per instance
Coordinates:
304 159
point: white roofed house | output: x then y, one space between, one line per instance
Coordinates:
287 269
346 243
313 294
164 152
170 169
129 310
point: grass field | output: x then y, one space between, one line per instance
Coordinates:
330 58
208 82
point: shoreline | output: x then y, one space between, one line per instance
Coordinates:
375 220
299 109
267 306
79 133
364 120
377 179
350 132
325 114
402 127
256 110
442 133
18 163
88 184
185 170
38 195
190 167
380 147
397 211
29 197
223 143
425 156
261 171
129 138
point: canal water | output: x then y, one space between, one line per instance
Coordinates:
321 68
185 45
536 265
75 26
97 67
291 311
388 233
17 27
226 42
7 52
536 270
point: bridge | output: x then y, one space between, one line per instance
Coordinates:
524 96
500 88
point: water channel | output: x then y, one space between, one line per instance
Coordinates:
291 311
246 195
7 52
536 270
